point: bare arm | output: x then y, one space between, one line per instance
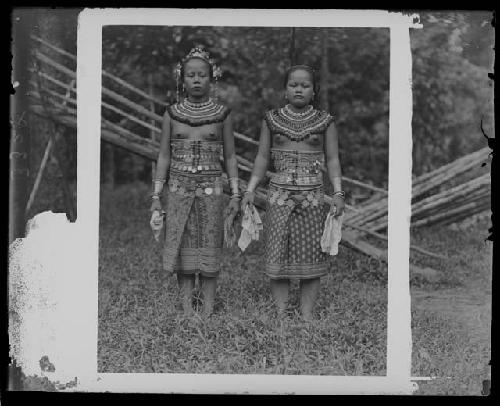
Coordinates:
262 159
333 167
229 149
162 164
259 166
332 157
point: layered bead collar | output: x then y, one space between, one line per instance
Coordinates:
298 126
197 114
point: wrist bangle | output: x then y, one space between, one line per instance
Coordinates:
340 193
155 197
158 186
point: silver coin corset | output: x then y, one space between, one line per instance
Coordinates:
291 198
195 186
196 156
297 167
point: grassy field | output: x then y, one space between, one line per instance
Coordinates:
451 317
141 329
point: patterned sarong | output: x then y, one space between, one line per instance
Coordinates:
293 227
194 230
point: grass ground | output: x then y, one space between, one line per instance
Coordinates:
141 330
451 317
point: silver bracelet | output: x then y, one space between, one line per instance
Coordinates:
340 193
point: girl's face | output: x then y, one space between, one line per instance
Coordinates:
299 88
196 78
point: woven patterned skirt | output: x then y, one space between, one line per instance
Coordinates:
293 227
194 230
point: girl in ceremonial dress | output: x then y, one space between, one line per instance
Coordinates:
302 143
196 134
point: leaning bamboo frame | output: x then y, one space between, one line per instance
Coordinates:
89 81
138 108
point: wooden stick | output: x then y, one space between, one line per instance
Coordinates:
152 133
449 213
153 129
385 238
68 197
65 99
472 196
56 81
39 174
432 202
105 73
53 47
245 138
424 183
134 106
55 64
459 162
480 208
106 106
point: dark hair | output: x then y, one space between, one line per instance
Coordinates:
210 69
311 72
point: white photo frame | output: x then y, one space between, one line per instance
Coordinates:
89 65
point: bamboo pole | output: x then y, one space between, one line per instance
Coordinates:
385 238
65 86
466 208
67 195
245 138
422 184
472 196
481 207
152 108
104 104
53 47
457 163
117 97
39 174
442 199
105 73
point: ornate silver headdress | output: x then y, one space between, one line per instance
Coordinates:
199 53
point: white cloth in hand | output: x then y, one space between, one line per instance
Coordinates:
251 225
156 224
332 234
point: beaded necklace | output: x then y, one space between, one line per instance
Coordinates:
197 114
298 126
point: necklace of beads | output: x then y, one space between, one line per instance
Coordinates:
197 114
298 126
